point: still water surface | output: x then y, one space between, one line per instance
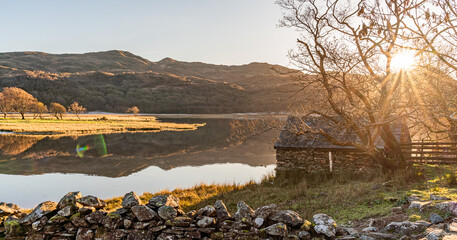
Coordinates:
35 169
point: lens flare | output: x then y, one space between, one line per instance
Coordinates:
97 144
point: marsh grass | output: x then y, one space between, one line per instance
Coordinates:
90 124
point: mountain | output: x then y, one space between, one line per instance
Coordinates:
114 80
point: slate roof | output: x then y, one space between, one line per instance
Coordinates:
289 138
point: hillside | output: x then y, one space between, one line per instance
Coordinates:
115 80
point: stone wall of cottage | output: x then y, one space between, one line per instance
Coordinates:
311 160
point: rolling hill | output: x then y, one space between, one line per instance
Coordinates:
115 80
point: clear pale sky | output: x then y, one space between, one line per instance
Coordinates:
212 31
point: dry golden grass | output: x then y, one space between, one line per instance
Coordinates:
89 124
345 197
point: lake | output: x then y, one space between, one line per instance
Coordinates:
34 169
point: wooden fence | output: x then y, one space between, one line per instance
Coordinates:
430 152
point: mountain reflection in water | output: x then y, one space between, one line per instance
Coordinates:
131 152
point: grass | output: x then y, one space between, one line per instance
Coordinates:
88 124
344 196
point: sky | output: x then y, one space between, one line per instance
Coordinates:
228 32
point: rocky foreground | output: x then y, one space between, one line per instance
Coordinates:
78 217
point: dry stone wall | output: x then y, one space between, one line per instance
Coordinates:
311 160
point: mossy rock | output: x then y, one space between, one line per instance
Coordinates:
57 219
113 215
14 228
76 215
414 218
217 235
307 225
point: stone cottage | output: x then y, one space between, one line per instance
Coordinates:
298 150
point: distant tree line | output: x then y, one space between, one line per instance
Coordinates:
17 100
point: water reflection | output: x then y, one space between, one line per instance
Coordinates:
37 169
27 191
131 152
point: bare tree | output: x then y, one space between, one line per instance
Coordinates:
19 100
4 105
134 109
39 109
57 110
76 109
348 50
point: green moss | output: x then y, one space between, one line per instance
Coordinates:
57 219
113 215
414 218
14 227
76 215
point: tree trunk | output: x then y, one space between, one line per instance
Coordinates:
22 114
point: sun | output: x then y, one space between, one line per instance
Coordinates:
403 61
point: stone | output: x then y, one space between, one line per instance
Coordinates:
52 229
324 225
244 213
419 205
434 197
404 228
192 214
143 213
193 234
127 223
370 229
452 227
140 235
91 201
78 220
350 231
422 222
166 236
384 236
436 234
95 217
140 225
13 227
158 228
7 209
69 199
164 200
35 236
181 222
449 206
130 199
112 221
57 219
278 229
209 211
364 237
263 213
435 218
306 225
67 211
84 234
221 211
304 235
41 210
206 222
86 210
288 217
167 212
